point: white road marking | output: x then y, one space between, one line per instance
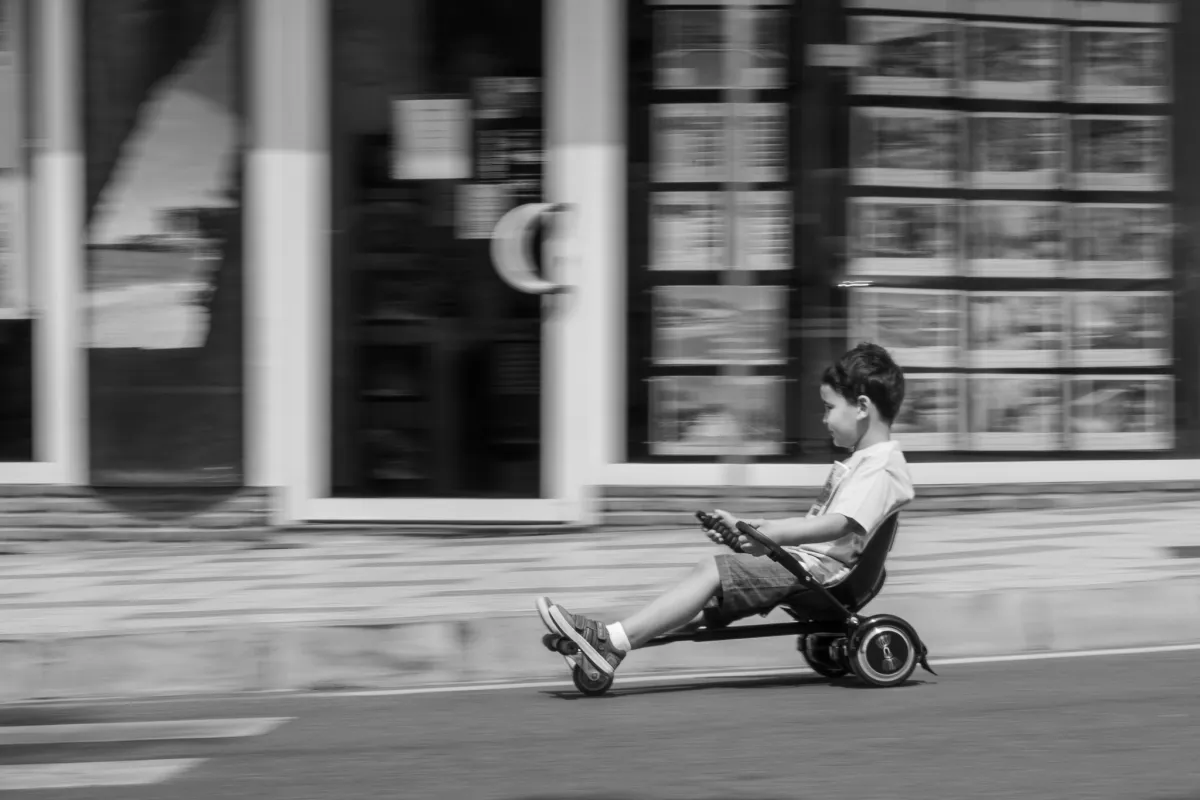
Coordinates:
635 678
84 774
158 730
623 678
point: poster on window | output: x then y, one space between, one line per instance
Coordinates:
905 147
8 300
691 50
712 325
1011 61
765 230
762 155
1121 65
713 416
687 231
1015 239
931 415
1121 153
1016 329
1121 329
689 143
905 56
904 237
1144 11
1017 151
921 327
1015 412
1121 412
431 138
478 208
1121 241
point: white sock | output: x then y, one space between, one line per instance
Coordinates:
619 639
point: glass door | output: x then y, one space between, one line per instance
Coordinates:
437 363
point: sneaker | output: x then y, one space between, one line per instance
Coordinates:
590 636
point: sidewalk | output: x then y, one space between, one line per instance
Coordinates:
358 611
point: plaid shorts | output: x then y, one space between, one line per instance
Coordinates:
751 585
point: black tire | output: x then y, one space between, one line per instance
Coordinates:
589 687
550 642
885 656
819 658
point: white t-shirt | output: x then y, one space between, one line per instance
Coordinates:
868 488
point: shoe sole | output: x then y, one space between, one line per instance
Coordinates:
585 649
543 609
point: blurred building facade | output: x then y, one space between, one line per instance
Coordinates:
252 245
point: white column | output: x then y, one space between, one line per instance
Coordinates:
288 227
60 382
585 113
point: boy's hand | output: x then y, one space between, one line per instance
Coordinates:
747 545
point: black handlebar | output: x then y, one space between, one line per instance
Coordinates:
776 553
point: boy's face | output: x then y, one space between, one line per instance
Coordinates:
842 418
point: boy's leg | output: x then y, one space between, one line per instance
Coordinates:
677 606
744 585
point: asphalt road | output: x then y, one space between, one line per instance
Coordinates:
1121 727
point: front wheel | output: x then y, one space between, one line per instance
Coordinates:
885 656
589 687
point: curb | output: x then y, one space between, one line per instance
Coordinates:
393 655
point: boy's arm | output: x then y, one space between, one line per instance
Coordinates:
796 531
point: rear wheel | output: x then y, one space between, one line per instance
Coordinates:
818 653
885 656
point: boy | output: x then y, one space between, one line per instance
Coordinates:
862 394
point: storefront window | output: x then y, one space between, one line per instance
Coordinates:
1000 200
436 131
163 137
16 321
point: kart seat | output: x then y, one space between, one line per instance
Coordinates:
862 584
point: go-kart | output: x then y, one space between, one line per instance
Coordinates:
881 650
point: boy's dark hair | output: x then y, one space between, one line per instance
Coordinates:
868 370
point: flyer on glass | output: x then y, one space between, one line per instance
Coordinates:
1012 61
904 236
765 230
1144 11
7 259
691 49
1121 65
709 325
1121 329
1016 412
1121 153
931 416
1015 239
713 415
1121 241
762 146
905 56
479 207
1016 329
921 327
905 146
1017 151
431 138
1121 412
689 142
687 231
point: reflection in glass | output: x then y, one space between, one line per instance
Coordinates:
163 143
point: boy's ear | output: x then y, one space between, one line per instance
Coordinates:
863 407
